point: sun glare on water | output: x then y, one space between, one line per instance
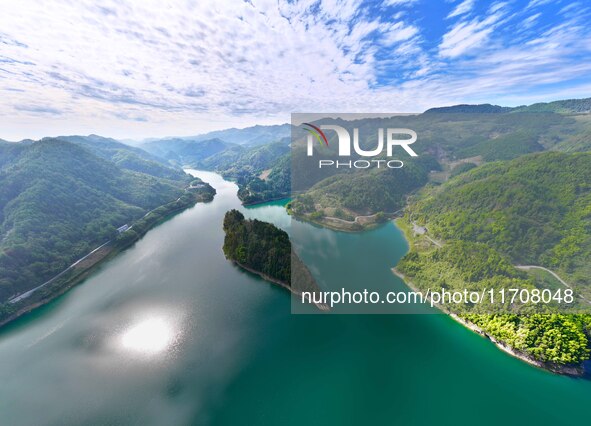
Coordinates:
148 337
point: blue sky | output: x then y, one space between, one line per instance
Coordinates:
155 68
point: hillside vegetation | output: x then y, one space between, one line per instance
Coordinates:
262 171
451 140
534 210
346 195
258 245
58 200
125 156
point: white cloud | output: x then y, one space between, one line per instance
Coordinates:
466 36
397 32
462 8
230 59
536 3
398 2
530 20
154 68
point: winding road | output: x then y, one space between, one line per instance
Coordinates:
522 267
554 274
28 293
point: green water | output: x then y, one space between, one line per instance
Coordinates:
170 333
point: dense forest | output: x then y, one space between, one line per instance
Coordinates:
60 199
534 210
537 331
258 245
367 192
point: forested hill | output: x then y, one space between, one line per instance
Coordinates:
535 209
451 140
59 200
259 246
567 106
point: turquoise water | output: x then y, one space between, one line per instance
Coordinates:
170 333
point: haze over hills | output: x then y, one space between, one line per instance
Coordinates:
230 144
186 152
476 133
261 170
254 135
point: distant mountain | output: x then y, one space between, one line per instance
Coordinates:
255 135
186 151
249 136
60 199
466 109
568 106
261 170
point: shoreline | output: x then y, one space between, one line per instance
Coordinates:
86 272
264 276
256 203
274 281
574 371
325 224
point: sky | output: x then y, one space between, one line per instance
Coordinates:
154 68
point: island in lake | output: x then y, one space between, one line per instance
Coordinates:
263 249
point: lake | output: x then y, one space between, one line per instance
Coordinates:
171 333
